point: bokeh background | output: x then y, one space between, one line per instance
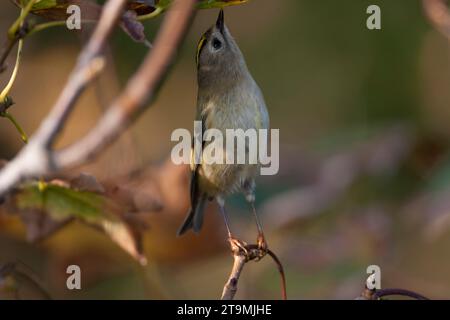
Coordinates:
364 158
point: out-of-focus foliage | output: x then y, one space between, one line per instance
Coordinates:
363 118
46 207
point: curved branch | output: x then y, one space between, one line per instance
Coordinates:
397 292
281 272
377 294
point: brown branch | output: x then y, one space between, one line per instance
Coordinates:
140 90
37 158
281 272
377 294
241 257
230 288
438 13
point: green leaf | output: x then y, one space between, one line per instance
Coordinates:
62 202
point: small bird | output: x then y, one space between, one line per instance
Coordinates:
228 98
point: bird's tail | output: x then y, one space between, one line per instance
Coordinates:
194 218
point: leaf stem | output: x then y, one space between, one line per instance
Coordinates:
9 116
23 14
45 25
151 15
4 94
8 87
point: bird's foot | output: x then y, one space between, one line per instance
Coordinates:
239 246
262 246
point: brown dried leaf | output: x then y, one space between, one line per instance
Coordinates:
45 208
133 27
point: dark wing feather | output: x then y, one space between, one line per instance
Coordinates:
194 217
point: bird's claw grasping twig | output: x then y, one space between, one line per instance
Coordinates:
239 247
263 248
242 253
250 252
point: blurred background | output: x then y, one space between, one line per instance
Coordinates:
364 158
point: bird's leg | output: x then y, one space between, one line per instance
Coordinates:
249 191
236 244
261 240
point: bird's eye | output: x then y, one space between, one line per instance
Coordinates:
216 44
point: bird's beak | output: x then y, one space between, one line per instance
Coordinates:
220 24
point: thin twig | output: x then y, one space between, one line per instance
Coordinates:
5 53
281 272
16 32
377 294
138 93
397 292
12 32
230 288
86 69
241 257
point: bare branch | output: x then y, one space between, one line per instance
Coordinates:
438 13
84 72
141 88
230 288
38 158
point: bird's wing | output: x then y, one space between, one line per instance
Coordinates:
195 193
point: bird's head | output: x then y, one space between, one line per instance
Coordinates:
218 55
